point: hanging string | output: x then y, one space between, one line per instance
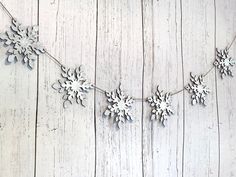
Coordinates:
6 10
230 45
209 71
176 92
99 89
56 61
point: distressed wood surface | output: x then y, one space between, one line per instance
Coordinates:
119 60
140 44
162 147
65 137
225 24
200 155
18 102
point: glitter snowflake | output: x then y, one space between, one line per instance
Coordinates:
161 104
198 89
23 44
120 106
224 62
74 85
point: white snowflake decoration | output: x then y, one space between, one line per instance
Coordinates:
120 106
198 90
74 85
161 106
23 44
224 62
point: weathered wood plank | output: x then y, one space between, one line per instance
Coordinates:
201 128
66 141
17 100
67 144
225 32
163 66
119 60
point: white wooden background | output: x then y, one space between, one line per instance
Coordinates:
140 43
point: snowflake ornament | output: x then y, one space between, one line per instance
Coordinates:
161 106
198 90
120 106
74 85
224 62
23 44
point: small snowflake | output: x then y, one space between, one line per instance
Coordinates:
120 106
224 62
161 104
23 43
198 89
74 85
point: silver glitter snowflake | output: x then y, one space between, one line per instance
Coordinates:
198 90
224 62
23 44
74 85
161 106
120 106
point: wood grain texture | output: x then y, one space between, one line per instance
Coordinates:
66 141
119 60
201 127
162 33
141 44
18 101
225 32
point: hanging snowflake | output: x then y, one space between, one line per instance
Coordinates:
198 90
161 104
23 44
224 62
120 106
74 85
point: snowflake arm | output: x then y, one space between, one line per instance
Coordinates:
22 43
161 106
74 85
119 107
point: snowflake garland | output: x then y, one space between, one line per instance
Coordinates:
161 104
120 106
198 90
224 62
74 85
23 44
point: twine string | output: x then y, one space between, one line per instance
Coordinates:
56 61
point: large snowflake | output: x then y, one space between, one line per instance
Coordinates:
224 62
23 43
74 85
161 106
198 89
120 106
